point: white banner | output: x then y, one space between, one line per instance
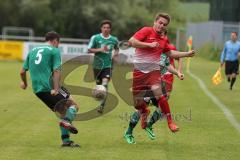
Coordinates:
65 49
69 51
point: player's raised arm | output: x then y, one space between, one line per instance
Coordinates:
23 76
178 54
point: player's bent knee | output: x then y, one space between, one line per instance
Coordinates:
157 91
105 81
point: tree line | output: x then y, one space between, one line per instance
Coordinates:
81 18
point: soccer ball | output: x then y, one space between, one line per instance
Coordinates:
99 92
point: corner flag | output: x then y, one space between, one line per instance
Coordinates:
189 45
217 77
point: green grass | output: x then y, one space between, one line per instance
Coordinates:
29 130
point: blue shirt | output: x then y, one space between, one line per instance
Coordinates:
230 51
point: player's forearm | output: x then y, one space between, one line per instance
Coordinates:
222 57
172 70
138 44
23 76
94 50
56 79
178 54
180 65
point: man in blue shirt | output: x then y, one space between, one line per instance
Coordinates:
229 56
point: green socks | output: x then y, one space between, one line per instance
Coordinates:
133 122
155 117
71 113
69 116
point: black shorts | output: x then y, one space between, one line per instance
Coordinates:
99 74
51 100
231 67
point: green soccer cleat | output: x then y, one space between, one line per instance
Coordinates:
150 133
129 138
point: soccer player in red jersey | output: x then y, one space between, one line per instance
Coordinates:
167 70
150 44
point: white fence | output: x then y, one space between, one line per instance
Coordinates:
215 32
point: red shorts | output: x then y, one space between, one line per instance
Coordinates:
168 79
144 81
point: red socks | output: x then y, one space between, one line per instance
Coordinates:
163 104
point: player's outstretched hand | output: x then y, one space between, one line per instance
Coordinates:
191 53
23 85
54 92
180 76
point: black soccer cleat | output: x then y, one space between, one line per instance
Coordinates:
100 109
68 126
70 144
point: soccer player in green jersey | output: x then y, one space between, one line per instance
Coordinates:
44 64
105 47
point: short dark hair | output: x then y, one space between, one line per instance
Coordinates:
163 15
235 33
52 35
106 22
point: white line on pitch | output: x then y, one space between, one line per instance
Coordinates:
219 104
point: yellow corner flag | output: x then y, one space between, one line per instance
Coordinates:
217 77
189 45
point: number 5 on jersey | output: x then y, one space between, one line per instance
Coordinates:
39 56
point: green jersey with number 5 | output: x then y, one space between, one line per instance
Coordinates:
41 62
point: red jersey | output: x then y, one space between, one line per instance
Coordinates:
147 59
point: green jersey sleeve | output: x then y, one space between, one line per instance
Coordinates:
56 59
92 42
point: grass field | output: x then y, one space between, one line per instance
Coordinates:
29 130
